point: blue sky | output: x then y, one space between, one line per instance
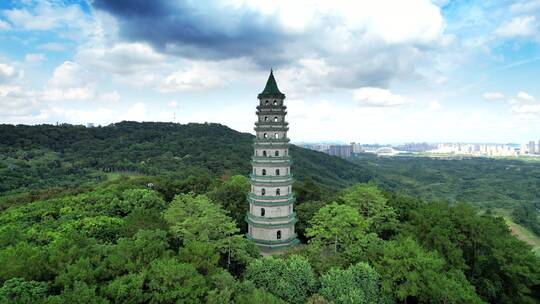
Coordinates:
363 71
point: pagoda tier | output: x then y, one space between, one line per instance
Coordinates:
271 217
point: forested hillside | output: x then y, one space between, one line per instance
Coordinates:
154 213
37 157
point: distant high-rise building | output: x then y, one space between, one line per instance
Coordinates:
532 147
340 150
357 148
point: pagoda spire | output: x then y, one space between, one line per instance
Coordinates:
271 89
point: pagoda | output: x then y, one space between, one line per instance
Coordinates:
271 215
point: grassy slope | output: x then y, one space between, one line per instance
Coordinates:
519 231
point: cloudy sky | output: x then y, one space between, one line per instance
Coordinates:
364 71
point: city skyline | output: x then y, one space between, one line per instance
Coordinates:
394 72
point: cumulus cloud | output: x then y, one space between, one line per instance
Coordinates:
34 57
4 25
493 96
524 104
377 97
525 6
68 74
45 16
121 58
69 82
10 73
523 26
350 43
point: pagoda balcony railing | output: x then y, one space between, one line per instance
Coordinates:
270 197
281 163
292 238
272 140
263 219
271 183
282 145
272 123
271 225
271 107
271 128
271 177
271 112
272 203
269 158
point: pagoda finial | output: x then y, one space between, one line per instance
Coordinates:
271 88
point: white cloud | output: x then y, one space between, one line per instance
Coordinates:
110 97
136 112
53 46
523 26
121 58
69 74
6 71
4 25
196 78
377 97
525 96
525 6
44 16
434 105
68 94
526 109
393 21
33 58
493 95
173 104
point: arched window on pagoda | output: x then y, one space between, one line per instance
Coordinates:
278 192
264 153
265 135
275 119
263 211
266 118
278 235
275 102
276 153
263 171
275 135
263 191
277 171
266 103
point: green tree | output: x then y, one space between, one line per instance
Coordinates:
337 225
412 274
290 279
79 293
501 267
126 289
196 218
357 284
231 195
136 253
304 213
140 199
170 281
19 291
373 206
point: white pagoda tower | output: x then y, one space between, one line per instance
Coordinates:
271 216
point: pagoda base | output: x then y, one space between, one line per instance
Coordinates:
271 249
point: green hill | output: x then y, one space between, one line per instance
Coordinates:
44 156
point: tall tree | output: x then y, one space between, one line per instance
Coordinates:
336 225
290 279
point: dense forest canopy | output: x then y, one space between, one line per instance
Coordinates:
154 213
